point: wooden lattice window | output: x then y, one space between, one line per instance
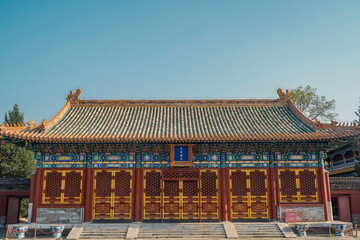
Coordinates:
190 188
53 184
238 180
103 184
181 174
258 183
62 187
307 183
73 184
153 183
288 183
171 188
208 183
122 184
298 185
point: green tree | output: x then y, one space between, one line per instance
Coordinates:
24 204
357 113
15 161
313 105
14 116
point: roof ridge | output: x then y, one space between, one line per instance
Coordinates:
178 102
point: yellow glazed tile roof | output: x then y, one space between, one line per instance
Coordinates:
179 121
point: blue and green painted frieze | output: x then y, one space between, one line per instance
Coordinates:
158 156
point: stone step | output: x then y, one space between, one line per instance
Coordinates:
195 228
249 230
185 227
103 234
179 236
183 232
98 233
258 230
260 236
264 227
252 232
255 233
120 226
104 230
242 226
255 226
179 229
100 237
108 229
182 229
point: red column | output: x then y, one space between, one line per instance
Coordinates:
37 192
322 191
88 194
327 179
138 197
221 200
273 193
32 188
225 192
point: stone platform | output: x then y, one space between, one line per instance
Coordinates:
221 230
213 231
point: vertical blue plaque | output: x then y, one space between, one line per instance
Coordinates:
181 153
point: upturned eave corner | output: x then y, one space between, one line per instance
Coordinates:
72 99
286 99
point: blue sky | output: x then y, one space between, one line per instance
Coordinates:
176 49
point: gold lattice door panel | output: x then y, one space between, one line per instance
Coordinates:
113 194
172 199
62 187
209 194
152 195
190 199
249 194
181 199
171 195
298 186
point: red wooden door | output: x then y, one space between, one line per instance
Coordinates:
344 208
12 216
